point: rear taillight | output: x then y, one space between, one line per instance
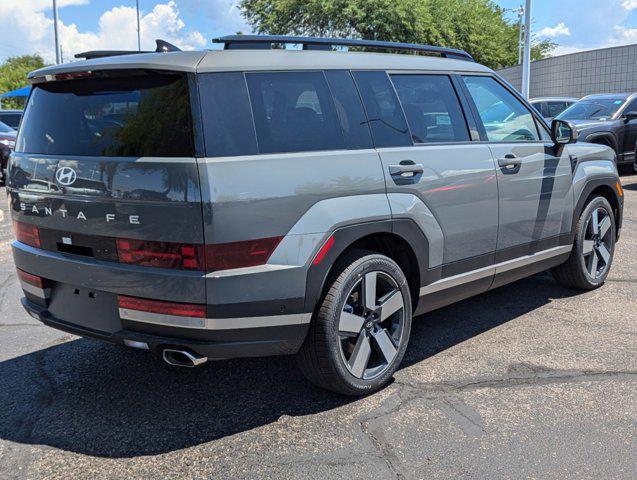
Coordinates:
25 233
160 254
33 279
224 256
161 307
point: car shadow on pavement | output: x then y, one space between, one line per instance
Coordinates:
103 400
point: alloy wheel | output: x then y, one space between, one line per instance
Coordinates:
598 243
371 324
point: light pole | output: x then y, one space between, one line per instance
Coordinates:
520 33
55 30
139 38
526 60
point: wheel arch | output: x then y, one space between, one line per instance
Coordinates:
603 138
604 187
400 239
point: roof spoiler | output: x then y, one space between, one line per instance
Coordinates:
162 46
256 42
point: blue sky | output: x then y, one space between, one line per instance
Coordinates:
26 25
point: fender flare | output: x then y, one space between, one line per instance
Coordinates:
347 235
591 185
610 136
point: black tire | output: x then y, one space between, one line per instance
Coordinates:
322 358
575 272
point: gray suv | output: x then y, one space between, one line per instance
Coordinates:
257 201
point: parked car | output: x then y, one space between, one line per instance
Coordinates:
551 107
607 119
7 144
11 118
262 202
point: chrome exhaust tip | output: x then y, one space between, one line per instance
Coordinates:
182 358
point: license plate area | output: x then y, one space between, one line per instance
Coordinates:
88 308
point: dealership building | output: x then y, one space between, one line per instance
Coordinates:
608 70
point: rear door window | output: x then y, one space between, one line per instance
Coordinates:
386 117
133 116
432 108
293 112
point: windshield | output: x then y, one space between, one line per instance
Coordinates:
4 128
592 109
135 116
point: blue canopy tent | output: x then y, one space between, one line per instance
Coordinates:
19 93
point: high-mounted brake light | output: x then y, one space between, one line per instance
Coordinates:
161 307
26 233
56 77
249 253
160 254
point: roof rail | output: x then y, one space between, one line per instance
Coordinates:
162 46
315 43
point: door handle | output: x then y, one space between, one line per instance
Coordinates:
509 162
404 168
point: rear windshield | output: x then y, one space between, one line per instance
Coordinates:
132 116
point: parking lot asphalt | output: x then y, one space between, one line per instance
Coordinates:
528 381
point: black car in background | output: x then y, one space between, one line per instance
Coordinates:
7 144
607 119
11 118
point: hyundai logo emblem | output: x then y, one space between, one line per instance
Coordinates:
65 176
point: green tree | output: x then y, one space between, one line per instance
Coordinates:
477 26
13 74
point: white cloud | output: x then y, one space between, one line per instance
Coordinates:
27 29
224 16
623 35
557 31
629 4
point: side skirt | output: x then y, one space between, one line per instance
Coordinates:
458 287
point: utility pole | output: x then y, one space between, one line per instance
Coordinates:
55 30
520 33
139 38
526 61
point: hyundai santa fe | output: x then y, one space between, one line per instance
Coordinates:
258 201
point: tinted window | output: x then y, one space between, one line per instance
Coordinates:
11 119
4 128
505 118
631 107
386 118
349 109
555 108
432 108
227 118
293 112
127 117
542 108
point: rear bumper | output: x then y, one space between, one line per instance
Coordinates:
246 342
81 298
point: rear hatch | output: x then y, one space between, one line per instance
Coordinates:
105 170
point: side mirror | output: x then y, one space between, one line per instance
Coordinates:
563 132
632 115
